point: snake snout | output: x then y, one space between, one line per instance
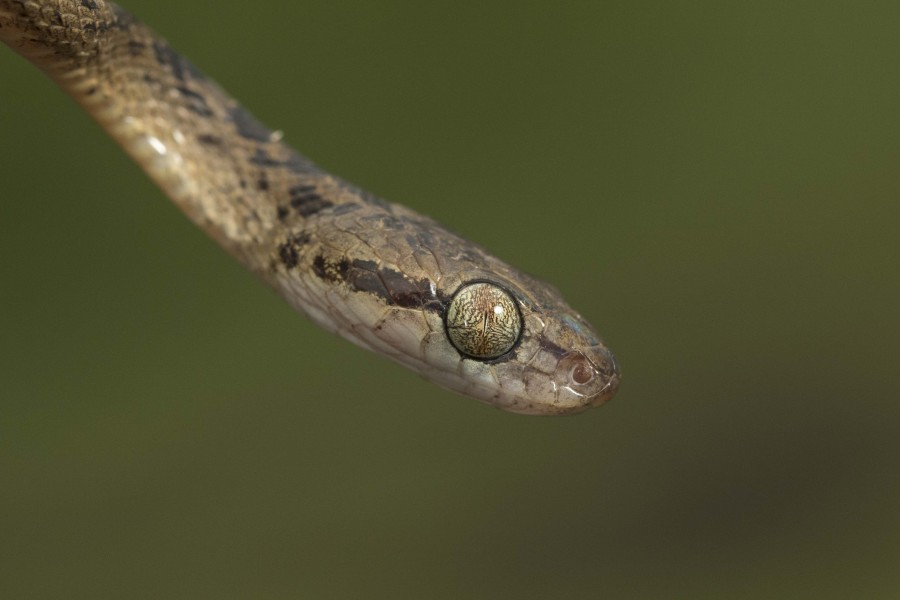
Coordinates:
587 378
607 370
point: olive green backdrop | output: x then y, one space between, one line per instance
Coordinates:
714 185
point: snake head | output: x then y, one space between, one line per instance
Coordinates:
506 338
524 350
402 286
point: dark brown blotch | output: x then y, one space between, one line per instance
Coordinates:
294 162
289 251
288 255
368 265
552 347
405 292
165 55
196 103
136 47
393 287
209 139
248 126
180 66
330 271
364 280
307 201
262 158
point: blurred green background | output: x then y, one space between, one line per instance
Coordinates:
714 185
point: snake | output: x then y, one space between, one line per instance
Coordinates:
376 273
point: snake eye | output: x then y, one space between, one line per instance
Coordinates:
483 320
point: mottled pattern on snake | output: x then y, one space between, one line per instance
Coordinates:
376 273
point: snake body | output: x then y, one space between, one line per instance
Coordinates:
379 274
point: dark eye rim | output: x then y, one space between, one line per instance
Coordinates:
516 301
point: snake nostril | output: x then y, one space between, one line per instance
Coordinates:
582 373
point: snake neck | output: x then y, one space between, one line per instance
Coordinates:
229 173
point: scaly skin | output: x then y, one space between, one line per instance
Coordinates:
376 273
